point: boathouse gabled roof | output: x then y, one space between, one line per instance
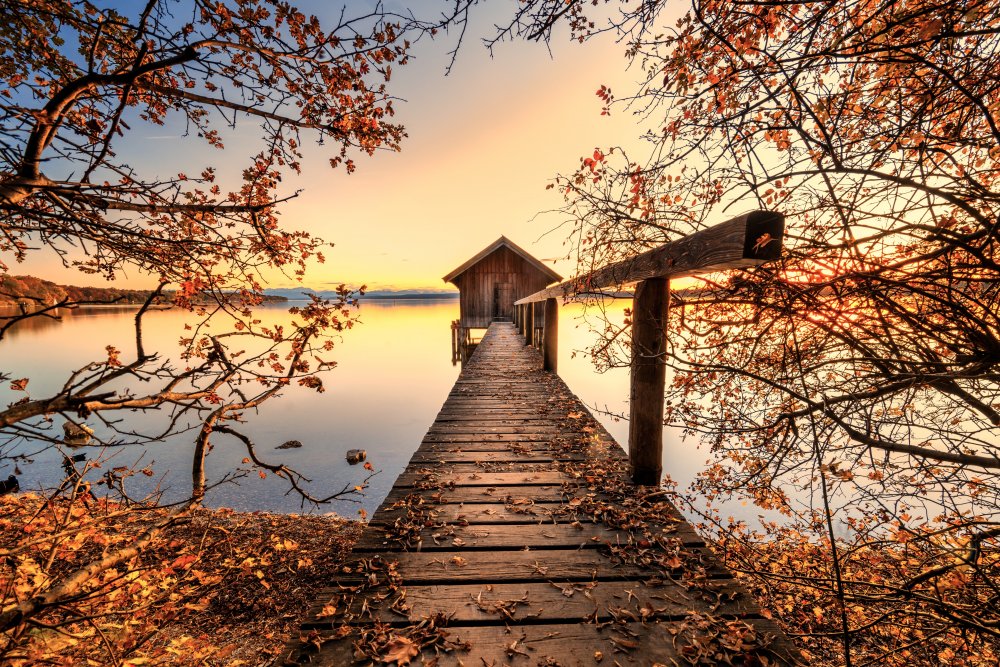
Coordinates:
500 242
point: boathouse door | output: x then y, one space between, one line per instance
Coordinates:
503 301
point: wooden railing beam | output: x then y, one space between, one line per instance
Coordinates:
744 241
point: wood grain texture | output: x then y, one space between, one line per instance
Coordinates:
547 602
500 523
550 337
647 380
460 538
566 645
488 288
747 240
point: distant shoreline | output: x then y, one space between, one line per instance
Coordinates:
391 297
410 297
37 292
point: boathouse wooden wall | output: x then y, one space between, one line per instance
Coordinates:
479 284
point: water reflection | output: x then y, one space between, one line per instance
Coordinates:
53 318
393 373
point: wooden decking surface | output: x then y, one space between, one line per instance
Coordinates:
513 538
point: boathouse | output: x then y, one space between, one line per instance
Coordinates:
496 277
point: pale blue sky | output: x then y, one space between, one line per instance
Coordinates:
483 144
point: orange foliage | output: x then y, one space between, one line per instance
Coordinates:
217 588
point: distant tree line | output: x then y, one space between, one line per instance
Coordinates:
30 290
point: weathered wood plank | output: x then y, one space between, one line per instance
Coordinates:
519 509
452 478
567 645
379 537
592 601
487 437
744 241
452 428
537 456
496 566
495 507
482 494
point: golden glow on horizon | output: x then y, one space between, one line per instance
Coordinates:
483 144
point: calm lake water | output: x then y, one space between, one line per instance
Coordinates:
393 373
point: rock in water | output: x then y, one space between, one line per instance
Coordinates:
356 455
289 444
9 485
77 434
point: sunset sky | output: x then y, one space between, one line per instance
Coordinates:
483 144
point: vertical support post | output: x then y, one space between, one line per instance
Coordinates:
520 319
550 336
649 371
529 322
517 314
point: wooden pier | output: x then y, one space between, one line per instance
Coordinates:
515 536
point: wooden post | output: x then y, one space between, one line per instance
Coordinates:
649 371
520 319
550 336
517 313
529 323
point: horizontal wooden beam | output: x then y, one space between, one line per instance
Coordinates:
744 241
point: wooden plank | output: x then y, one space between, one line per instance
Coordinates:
506 429
592 601
488 437
521 509
452 478
532 413
546 447
489 517
504 418
382 537
745 241
470 469
483 494
571 645
493 457
496 566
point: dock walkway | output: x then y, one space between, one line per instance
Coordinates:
513 537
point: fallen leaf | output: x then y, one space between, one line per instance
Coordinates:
400 650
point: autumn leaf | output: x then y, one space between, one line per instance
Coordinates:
19 385
399 650
183 561
762 241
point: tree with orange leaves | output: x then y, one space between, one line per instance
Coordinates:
860 376
78 80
